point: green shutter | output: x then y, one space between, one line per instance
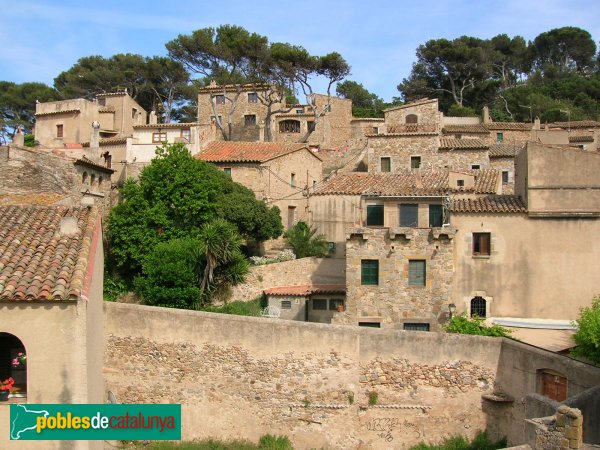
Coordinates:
369 271
436 215
386 165
375 215
409 215
416 272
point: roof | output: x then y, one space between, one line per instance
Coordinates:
108 141
63 111
167 125
112 94
553 340
37 198
228 151
474 129
504 150
575 124
367 119
587 138
470 144
89 163
491 204
412 183
514 126
106 110
306 290
411 104
233 87
37 262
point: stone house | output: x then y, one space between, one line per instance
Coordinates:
280 174
309 303
51 308
69 121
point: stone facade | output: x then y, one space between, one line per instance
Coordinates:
563 431
426 112
506 166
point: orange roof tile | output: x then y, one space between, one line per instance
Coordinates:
36 261
306 290
576 124
582 138
470 144
227 151
492 204
516 126
504 150
474 129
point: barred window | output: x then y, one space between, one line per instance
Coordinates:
289 126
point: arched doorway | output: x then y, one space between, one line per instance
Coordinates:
478 307
13 363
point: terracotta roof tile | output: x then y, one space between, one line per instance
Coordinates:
64 111
31 199
474 129
471 144
491 204
576 124
108 141
36 261
86 162
305 291
582 138
504 150
227 151
166 125
516 126
405 183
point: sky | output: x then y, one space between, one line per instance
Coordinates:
378 38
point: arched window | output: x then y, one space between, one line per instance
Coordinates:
13 364
84 177
289 126
100 179
478 307
412 118
93 180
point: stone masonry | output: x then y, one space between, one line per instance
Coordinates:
563 431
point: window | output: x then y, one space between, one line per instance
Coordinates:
416 326
291 217
369 272
286 304
369 324
436 215
327 108
93 180
505 177
133 112
314 184
553 385
186 135
227 170
458 136
289 126
299 111
412 118
59 131
293 180
252 97
13 364
213 119
249 120
375 130
409 215
84 177
416 272
475 166
481 244
331 247
415 162
374 215
499 137
100 180
311 125
460 183
107 159
386 164
334 303
478 307
320 304
219 99
159 136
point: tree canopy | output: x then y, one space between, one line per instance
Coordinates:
587 336
174 197
364 103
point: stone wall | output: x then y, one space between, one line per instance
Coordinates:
392 302
517 137
425 110
505 164
400 148
297 272
562 431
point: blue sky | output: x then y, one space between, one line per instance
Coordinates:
40 39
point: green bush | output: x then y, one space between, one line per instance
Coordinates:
239 308
587 336
266 442
373 398
463 325
305 241
114 287
480 442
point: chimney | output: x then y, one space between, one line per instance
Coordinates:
486 115
152 119
93 153
68 226
537 125
19 137
261 131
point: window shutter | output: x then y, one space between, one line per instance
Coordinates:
409 215
375 215
436 215
416 273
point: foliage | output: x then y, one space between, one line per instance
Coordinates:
566 48
266 442
364 103
480 442
373 398
284 255
305 241
461 111
29 140
587 336
114 287
239 308
174 197
20 360
463 325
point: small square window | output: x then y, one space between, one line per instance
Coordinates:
219 99
458 136
481 244
59 131
310 125
415 162
369 272
286 304
249 120
252 97
375 130
416 326
460 183
299 111
409 215
475 166
374 215
227 170
416 272
327 108
186 135
499 137
386 164
319 304
159 137
505 177
334 303
369 324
